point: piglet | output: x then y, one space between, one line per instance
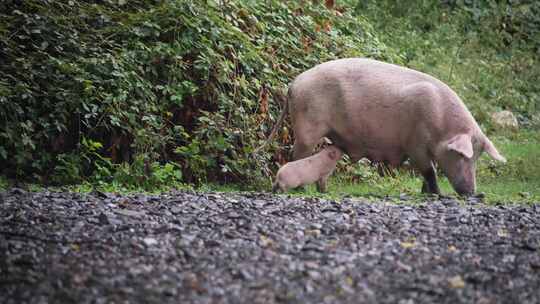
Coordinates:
316 168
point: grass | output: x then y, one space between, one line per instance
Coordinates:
517 181
448 45
4 183
519 178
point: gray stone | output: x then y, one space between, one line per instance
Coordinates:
505 120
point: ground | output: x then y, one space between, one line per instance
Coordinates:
189 247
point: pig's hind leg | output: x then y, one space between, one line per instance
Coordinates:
308 131
305 142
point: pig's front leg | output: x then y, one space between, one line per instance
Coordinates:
322 183
430 181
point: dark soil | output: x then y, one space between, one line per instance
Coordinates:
258 248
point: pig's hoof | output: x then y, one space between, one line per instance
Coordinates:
476 198
479 195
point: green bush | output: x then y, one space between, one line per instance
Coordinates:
145 92
158 82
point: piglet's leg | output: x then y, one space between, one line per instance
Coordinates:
322 184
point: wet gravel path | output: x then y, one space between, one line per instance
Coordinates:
257 248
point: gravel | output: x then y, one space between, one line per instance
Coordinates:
188 247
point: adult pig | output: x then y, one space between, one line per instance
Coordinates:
315 168
387 113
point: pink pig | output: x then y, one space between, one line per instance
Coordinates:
308 170
387 113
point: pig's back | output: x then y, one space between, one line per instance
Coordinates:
355 74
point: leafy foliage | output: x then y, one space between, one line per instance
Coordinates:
486 50
155 82
151 92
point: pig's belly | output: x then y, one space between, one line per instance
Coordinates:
374 149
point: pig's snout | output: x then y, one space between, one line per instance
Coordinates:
461 175
464 188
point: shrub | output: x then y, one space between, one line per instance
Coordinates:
155 82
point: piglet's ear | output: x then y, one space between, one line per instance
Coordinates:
332 154
461 144
492 151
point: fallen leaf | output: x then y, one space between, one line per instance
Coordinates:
285 138
265 241
328 26
313 232
502 233
456 282
408 245
263 100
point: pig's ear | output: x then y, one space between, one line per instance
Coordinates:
461 144
492 151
